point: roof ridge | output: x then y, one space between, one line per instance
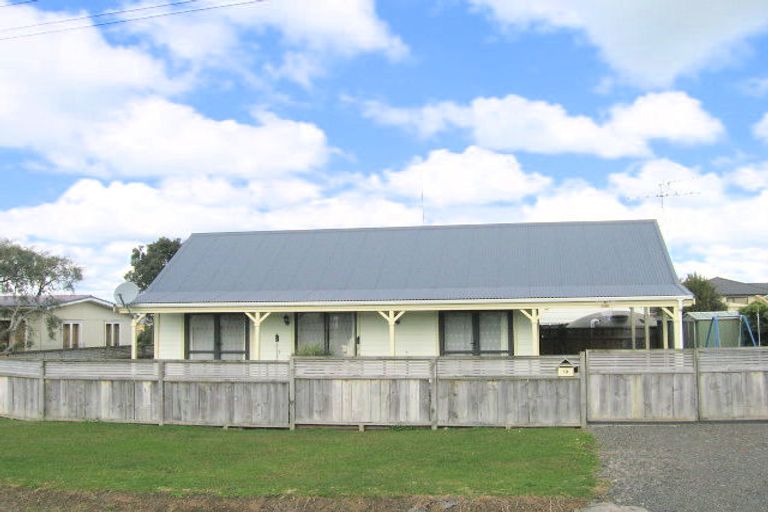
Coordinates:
425 227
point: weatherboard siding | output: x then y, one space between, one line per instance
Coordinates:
92 318
416 335
522 335
275 325
171 333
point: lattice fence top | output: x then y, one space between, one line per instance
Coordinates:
733 359
543 366
106 370
239 371
362 368
16 368
641 361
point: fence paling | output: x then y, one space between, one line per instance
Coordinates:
705 384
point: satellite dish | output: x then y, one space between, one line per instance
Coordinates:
126 293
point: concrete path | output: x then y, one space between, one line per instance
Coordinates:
681 468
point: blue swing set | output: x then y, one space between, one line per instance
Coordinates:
714 326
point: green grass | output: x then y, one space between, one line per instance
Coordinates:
192 460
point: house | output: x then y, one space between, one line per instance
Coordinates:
86 321
408 291
738 294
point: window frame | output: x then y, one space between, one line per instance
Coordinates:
326 330
475 341
114 326
217 352
67 344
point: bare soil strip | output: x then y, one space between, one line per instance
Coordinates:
49 500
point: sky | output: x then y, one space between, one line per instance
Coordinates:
285 114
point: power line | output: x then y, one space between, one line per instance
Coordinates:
139 18
91 16
19 3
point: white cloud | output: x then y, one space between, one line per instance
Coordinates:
53 85
750 177
90 108
517 123
97 223
475 176
760 129
154 137
310 32
650 43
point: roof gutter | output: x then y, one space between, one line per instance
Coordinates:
651 301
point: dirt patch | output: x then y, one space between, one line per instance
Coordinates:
48 500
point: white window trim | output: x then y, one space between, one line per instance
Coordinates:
119 331
80 331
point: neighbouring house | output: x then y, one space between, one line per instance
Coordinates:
737 294
408 291
86 321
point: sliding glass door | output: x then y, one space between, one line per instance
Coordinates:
476 332
330 333
217 336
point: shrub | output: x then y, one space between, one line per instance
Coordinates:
312 350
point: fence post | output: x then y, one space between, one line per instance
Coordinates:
697 382
161 390
41 391
433 395
292 393
583 387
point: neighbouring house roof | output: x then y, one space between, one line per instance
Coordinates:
8 301
731 288
452 263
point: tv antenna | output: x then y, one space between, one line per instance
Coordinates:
666 191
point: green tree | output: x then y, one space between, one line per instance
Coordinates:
147 262
707 298
29 279
752 311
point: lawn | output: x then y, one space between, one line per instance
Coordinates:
200 460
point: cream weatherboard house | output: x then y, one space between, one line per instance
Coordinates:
411 291
86 321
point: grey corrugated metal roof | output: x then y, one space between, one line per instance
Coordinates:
467 262
729 287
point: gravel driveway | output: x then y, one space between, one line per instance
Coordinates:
680 468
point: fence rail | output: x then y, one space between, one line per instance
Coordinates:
608 386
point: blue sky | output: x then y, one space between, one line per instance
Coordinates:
288 114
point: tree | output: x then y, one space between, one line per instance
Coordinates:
29 278
707 298
751 312
147 262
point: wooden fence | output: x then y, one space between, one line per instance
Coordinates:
674 385
249 394
611 386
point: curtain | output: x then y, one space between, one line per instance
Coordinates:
341 334
232 334
492 335
310 330
201 334
457 327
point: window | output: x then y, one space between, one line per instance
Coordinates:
70 334
217 336
476 332
112 334
333 332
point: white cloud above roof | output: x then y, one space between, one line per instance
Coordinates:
515 123
650 43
